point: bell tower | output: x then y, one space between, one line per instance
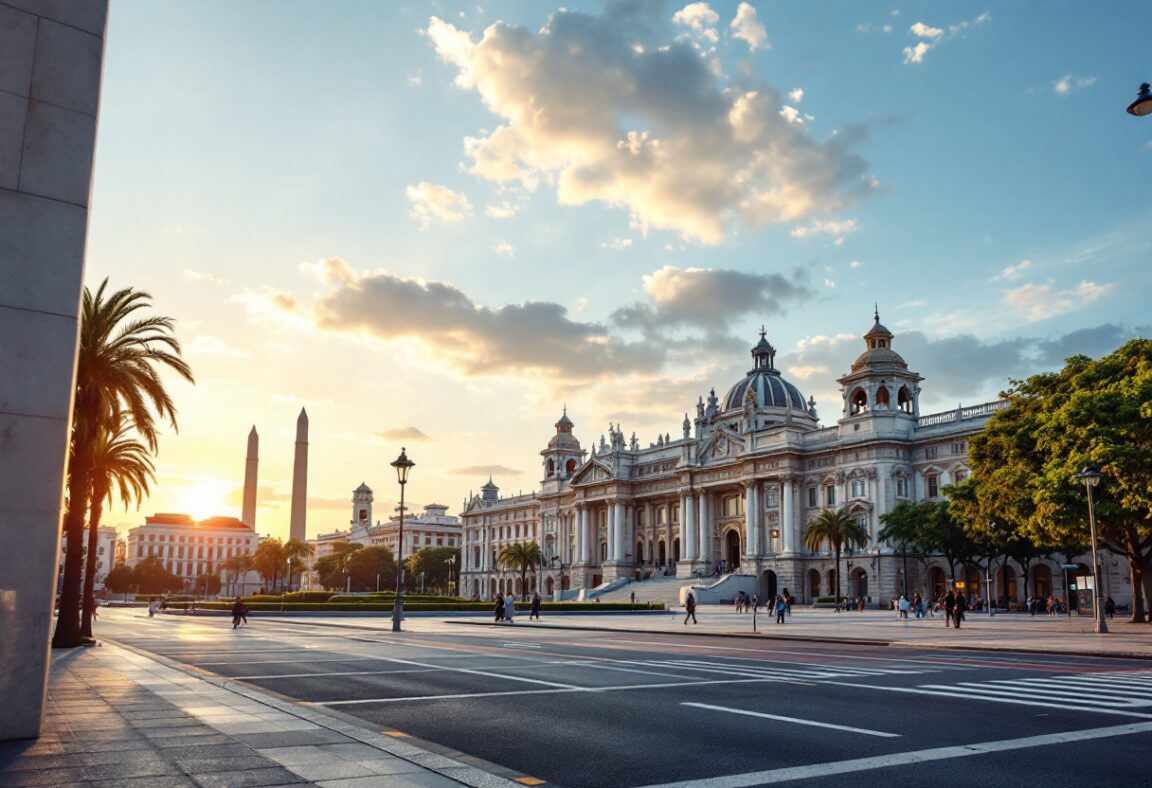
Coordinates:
880 383
362 507
563 455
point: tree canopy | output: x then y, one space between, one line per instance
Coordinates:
433 562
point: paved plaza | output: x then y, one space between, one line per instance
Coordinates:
185 700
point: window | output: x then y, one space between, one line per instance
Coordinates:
930 453
857 488
830 495
960 475
733 506
933 485
901 487
812 496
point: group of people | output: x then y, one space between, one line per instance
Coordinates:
781 605
505 609
849 605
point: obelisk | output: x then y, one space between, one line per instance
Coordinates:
248 515
300 480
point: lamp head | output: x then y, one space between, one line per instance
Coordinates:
1143 103
1091 476
402 465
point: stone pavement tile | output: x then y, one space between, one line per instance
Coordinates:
352 751
17 760
136 757
174 722
42 777
226 749
229 763
415 780
317 772
321 736
116 771
307 753
168 781
383 764
251 777
168 742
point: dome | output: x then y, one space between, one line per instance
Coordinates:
879 355
363 488
766 384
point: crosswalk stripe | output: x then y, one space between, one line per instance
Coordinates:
1078 689
1043 694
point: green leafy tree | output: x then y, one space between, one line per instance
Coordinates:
838 529
120 464
119 580
521 557
235 567
270 561
206 585
150 576
907 526
117 371
1089 412
372 567
330 568
433 563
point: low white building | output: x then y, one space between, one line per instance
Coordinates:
189 547
108 548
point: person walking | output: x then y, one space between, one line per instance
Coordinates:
961 606
690 608
781 608
237 612
949 607
903 606
535 614
510 608
153 606
1109 608
499 609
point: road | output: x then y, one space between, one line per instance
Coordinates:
608 709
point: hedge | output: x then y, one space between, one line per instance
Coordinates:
418 607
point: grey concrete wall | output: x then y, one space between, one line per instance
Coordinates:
51 53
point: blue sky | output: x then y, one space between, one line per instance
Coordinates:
433 224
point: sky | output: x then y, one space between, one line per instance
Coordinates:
435 225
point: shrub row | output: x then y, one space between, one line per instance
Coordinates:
418 607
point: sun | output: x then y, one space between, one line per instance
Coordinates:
206 498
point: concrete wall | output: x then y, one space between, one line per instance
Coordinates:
51 53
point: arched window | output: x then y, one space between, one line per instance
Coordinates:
904 400
883 397
551 468
570 466
859 401
813 584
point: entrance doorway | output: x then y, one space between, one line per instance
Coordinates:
732 550
813 585
663 553
859 585
768 585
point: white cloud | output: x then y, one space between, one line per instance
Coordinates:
829 283
617 244
651 130
201 276
581 304
855 264
818 227
430 203
504 210
1013 271
205 345
791 114
916 53
416 79
886 28
1067 83
1039 302
176 229
749 29
921 30
700 19
504 248
796 95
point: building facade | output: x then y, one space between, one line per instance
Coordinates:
733 493
109 552
187 547
433 527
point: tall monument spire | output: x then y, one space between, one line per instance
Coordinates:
248 514
296 528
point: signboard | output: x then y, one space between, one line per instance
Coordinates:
1069 567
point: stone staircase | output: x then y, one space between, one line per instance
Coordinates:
656 589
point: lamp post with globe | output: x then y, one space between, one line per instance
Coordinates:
1091 477
402 465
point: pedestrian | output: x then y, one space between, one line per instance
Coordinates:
781 608
633 597
1109 608
860 605
499 609
535 614
961 606
949 607
788 602
237 612
690 608
755 603
153 606
918 605
903 605
510 608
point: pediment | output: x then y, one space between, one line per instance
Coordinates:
590 472
723 442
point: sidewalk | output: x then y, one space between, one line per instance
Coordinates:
117 718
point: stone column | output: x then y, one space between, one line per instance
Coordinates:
688 527
705 528
51 55
668 535
628 534
610 532
750 539
787 527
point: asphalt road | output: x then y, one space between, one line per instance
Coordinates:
610 709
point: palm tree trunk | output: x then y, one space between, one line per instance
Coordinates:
89 597
837 551
67 633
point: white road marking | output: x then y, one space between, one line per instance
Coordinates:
796 773
796 720
522 645
485 673
995 699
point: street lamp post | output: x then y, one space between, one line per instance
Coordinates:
1091 477
1143 103
402 465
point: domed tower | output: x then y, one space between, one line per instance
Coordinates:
563 455
764 398
362 506
880 382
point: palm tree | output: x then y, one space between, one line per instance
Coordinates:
521 557
838 529
268 560
235 566
116 372
120 463
297 553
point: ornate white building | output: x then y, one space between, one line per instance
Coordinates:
735 490
189 547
